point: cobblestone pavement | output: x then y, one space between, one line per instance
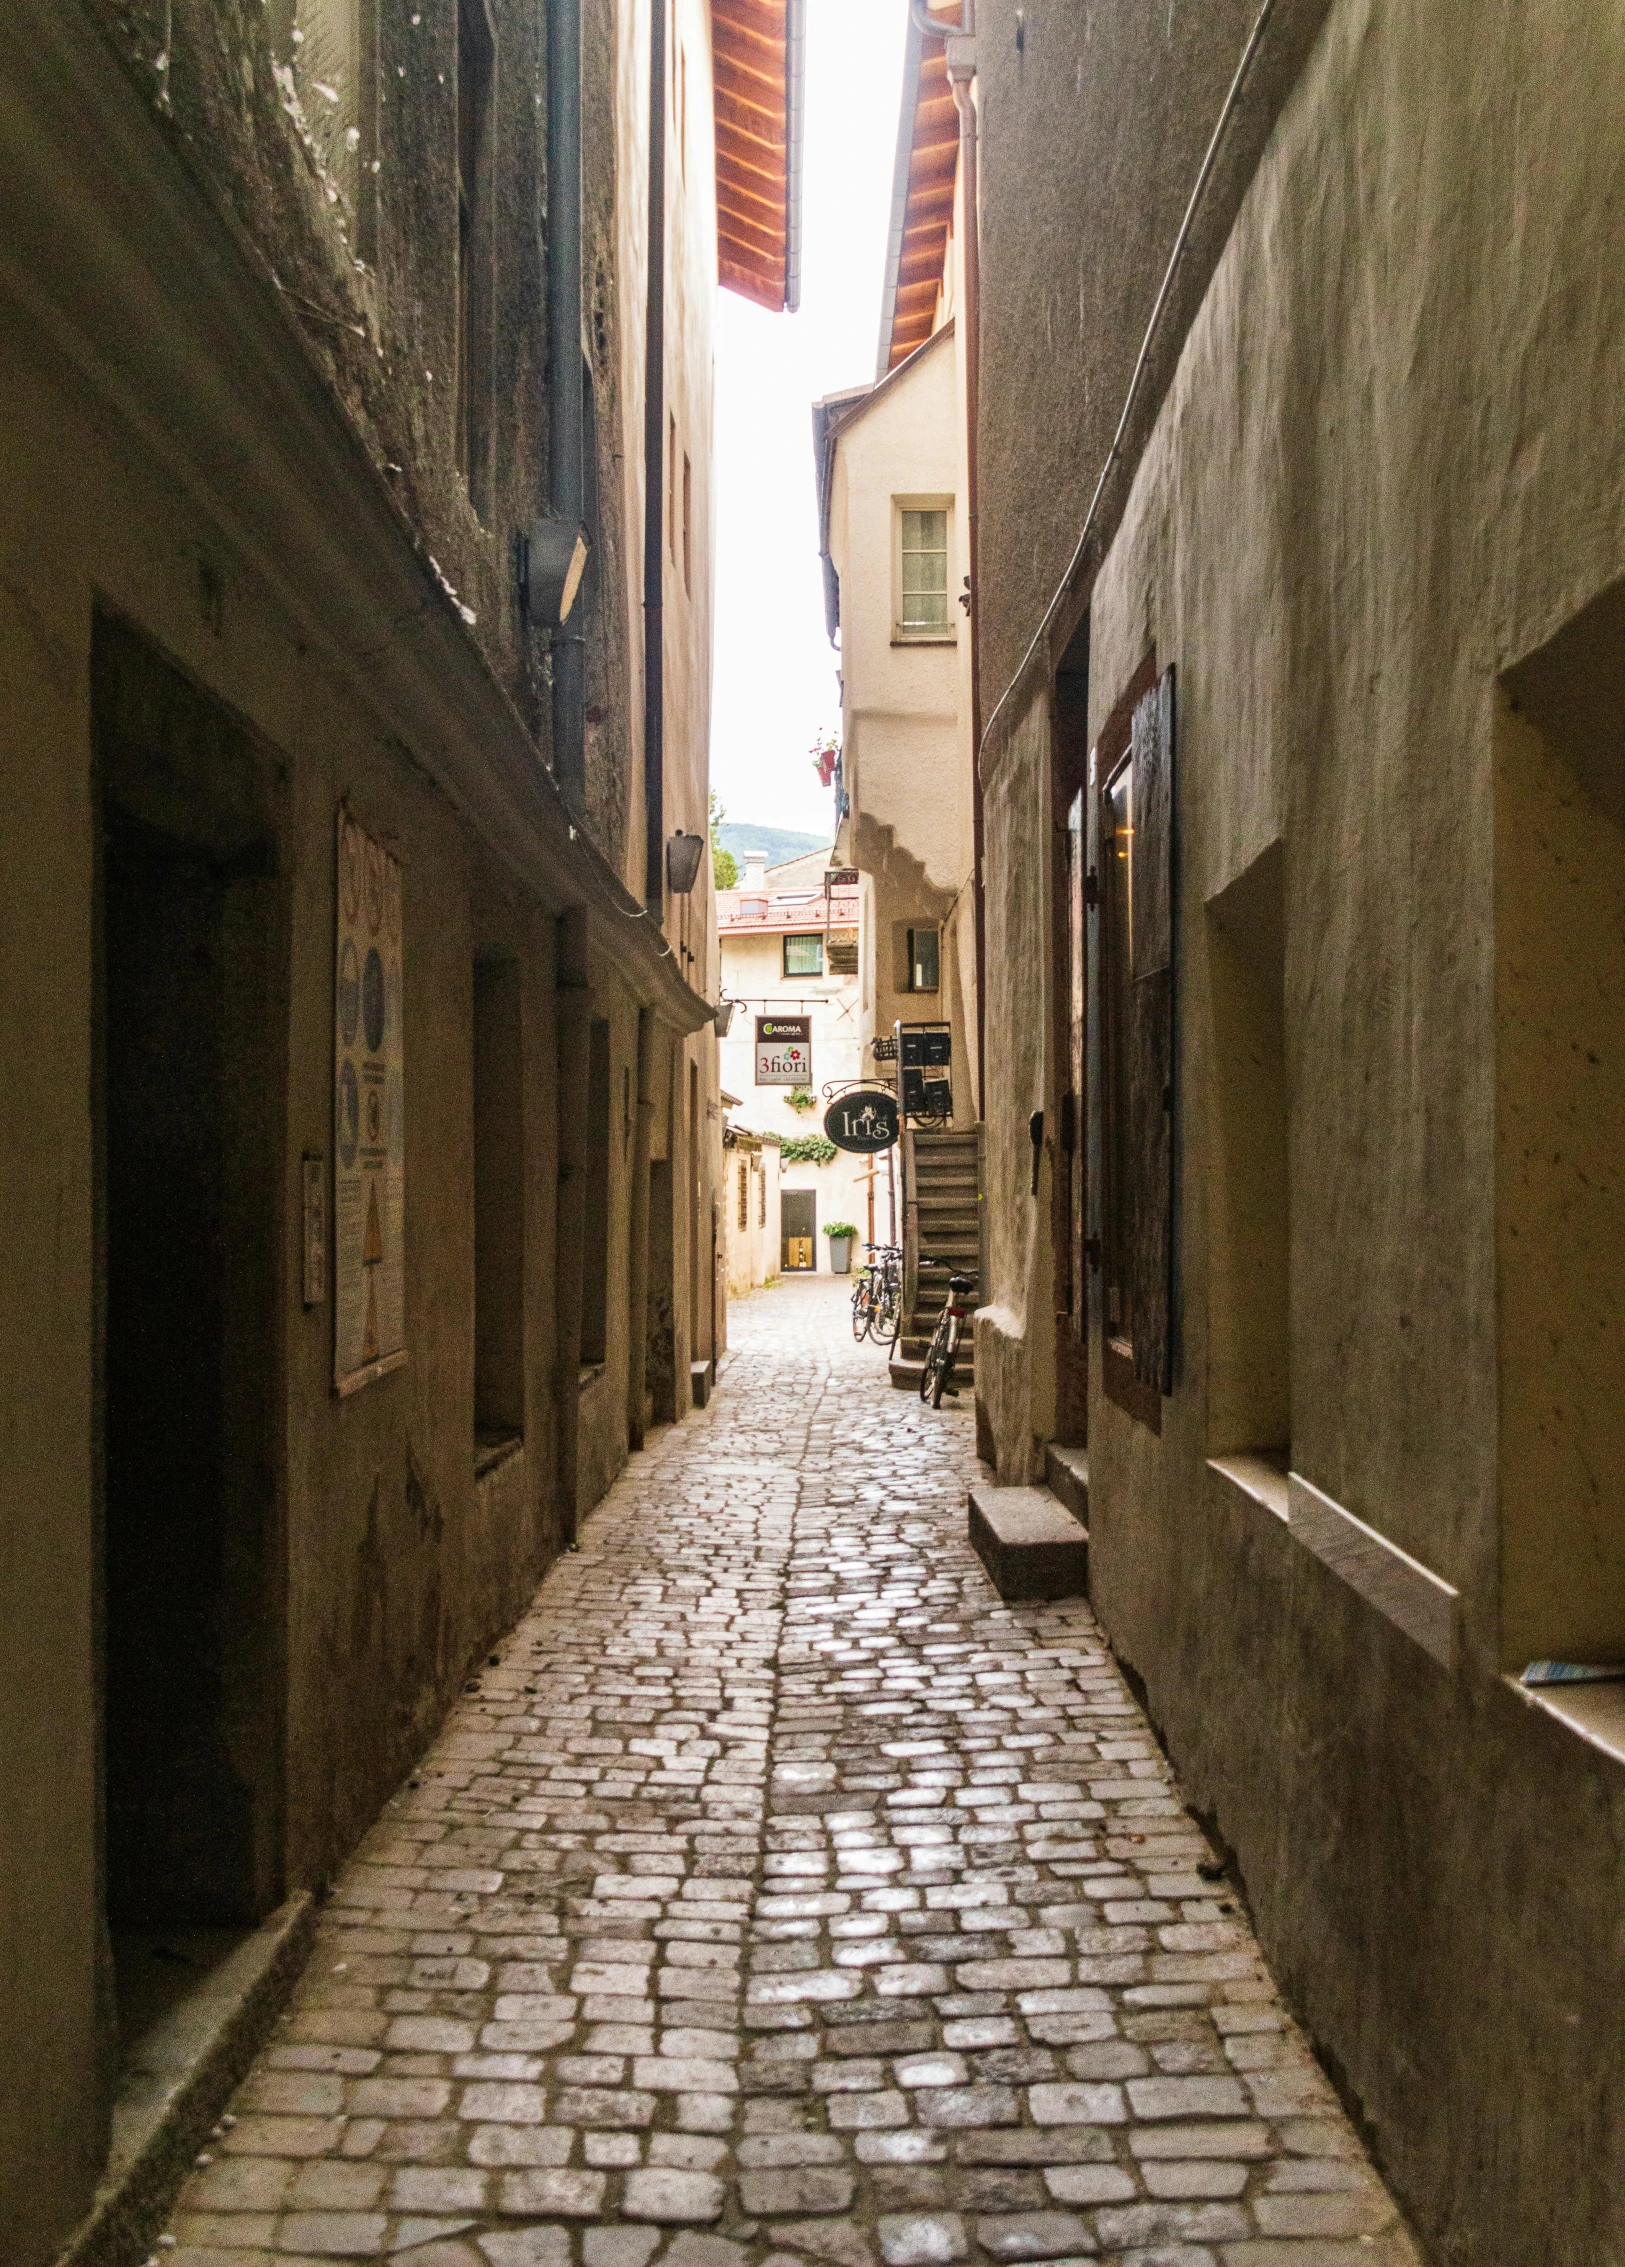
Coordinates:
777 1898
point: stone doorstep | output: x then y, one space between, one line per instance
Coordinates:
1030 1543
179 2079
1067 1472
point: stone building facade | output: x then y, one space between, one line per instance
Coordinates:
286 1446
1301 547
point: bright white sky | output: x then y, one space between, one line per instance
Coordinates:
775 685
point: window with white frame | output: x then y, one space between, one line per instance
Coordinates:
922 610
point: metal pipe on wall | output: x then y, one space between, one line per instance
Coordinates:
567 483
654 487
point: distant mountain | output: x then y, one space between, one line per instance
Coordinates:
778 843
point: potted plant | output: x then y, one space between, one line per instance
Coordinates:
801 1098
842 1236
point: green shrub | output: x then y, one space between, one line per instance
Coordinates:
840 1228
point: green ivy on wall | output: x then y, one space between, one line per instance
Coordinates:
806 1149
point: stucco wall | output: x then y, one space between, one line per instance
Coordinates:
1379 479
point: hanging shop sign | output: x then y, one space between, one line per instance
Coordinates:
864 1121
369 1116
784 1050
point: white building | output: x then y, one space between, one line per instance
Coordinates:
750 1206
791 952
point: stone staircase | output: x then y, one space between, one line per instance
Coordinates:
942 1217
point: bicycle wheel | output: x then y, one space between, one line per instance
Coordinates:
943 1381
861 1311
889 1320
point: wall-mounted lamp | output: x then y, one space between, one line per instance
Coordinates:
553 559
683 855
724 1016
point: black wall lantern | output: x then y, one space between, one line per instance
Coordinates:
683 855
724 1016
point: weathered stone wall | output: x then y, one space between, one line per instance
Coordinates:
1378 481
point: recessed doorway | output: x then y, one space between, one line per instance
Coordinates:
798 1229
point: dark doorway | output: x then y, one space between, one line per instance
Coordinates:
1069 1187
190 1078
798 1227
661 1359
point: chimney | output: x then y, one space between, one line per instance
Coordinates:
755 876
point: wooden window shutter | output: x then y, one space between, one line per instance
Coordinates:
1151 1038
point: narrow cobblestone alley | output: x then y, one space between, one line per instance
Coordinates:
777 1895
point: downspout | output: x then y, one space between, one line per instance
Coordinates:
654 486
567 486
572 1007
637 1365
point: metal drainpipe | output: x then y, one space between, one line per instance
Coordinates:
654 490
567 489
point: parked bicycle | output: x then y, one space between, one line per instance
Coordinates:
877 1295
937 1376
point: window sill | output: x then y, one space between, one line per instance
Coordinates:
1258 1473
1121 1385
493 1450
937 643
1595 1712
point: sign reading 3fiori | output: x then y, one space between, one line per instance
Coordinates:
784 1050
863 1121
369 1115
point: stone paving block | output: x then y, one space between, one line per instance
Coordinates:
779 1895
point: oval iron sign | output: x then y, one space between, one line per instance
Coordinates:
863 1121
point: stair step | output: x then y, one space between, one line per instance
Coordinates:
906 1368
1067 1471
1029 1542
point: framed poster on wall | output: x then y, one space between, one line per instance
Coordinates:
369 1115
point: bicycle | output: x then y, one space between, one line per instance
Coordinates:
937 1374
863 1296
877 1296
886 1306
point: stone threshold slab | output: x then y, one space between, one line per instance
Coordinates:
1032 1546
179 2078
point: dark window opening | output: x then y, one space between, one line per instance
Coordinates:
499 1209
1249 1362
924 960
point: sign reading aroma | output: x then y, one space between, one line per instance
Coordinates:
784 1050
864 1121
369 1116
